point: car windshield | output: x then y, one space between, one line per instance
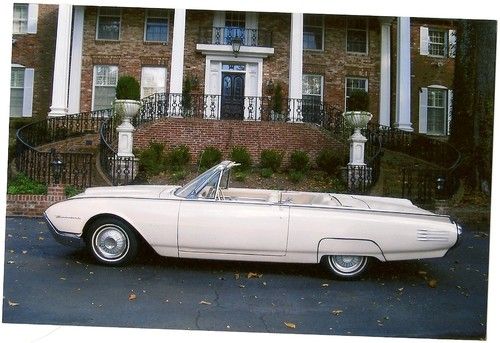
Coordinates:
193 186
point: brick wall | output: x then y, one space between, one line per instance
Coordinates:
255 136
37 51
428 70
130 53
33 205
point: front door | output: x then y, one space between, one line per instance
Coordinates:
232 99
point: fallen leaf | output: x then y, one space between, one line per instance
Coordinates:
337 312
290 325
264 283
11 251
62 278
325 285
41 238
252 275
421 272
203 302
401 289
11 303
132 296
241 286
236 276
25 251
432 283
11 262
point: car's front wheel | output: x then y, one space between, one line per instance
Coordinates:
346 266
112 241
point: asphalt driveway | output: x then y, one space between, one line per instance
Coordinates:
48 283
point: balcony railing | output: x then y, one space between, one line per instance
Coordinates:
248 108
226 35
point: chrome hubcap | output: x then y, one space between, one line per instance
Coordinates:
110 242
346 263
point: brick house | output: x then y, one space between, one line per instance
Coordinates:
33 46
405 64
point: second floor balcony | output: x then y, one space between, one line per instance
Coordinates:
225 35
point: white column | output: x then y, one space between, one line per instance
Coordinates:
61 63
403 76
385 72
76 61
177 64
295 73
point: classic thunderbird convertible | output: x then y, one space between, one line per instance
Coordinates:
207 219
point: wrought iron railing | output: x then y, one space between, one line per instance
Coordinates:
226 35
249 108
36 162
120 170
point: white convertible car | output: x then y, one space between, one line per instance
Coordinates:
207 219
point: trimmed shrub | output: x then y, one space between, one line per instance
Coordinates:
270 158
21 184
178 158
329 161
266 173
71 190
179 175
209 157
299 161
240 175
296 175
358 101
128 87
240 154
153 160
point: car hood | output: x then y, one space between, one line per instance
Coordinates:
379 203
135 191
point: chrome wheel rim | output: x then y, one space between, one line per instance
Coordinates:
347 264
110 242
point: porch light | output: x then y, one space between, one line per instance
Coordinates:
236 43
57 166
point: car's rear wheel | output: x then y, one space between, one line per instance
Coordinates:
112 241
346 266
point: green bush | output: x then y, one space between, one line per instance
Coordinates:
128 88
21 184
240 154
71 190
209 157
266 173
179 175
358 100
240 175
270 158
329 161
178 158
153 160
299 161
296 175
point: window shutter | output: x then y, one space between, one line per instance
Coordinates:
452 43
29 77
424 40
32 18
450 110
422 113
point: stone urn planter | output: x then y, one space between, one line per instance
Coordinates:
127 109
358 120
